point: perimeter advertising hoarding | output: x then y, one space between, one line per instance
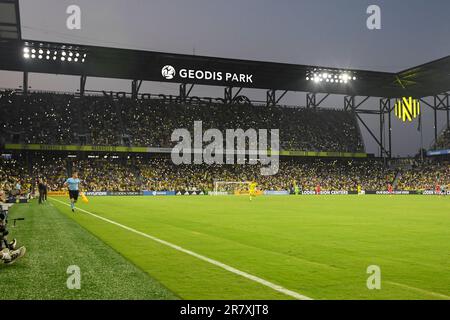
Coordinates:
121 149
266 192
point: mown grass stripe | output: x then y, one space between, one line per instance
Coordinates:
246 275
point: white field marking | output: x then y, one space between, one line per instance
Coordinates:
266 283
423 291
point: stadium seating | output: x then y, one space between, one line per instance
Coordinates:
49 118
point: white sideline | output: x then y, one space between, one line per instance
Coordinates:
266 283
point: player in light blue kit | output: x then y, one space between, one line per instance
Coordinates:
74 189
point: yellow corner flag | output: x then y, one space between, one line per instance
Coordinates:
84 198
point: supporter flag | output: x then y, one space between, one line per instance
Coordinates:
84 198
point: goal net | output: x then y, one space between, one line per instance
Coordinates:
230 187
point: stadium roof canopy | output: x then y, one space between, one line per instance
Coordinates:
9 19
429 79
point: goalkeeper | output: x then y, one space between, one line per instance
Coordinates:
252 190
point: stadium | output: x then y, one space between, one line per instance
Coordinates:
268 201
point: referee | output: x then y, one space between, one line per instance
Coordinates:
73 184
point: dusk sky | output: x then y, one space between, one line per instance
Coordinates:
320 32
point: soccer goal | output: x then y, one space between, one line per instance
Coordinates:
230 187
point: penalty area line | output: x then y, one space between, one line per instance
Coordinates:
246 275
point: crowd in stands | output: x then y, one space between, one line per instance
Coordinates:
49 118
425 177
157 174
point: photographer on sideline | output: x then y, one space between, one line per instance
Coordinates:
8 252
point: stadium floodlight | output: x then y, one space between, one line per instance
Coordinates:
50 52
330 76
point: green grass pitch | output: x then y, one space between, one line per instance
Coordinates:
319 247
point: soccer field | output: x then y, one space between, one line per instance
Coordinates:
317 247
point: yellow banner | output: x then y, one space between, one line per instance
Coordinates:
75 148
58 193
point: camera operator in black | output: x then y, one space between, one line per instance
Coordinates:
41 188
8 252
45 190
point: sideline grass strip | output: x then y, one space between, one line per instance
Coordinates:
55 242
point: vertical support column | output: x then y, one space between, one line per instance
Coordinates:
447 107
385 108
228 94
381 132
349 103
311 100
435 118
435 126
270 98
448 118
25 83
182 94
82 85
134 89
390 128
